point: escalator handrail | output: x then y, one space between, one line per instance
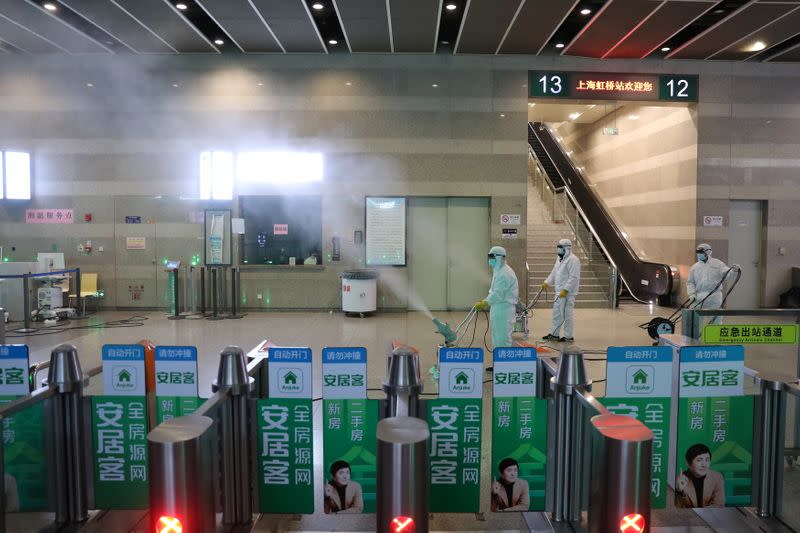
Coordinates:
547 178
617 234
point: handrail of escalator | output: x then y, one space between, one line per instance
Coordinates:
646 281
549 181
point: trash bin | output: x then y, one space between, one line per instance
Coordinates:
359 291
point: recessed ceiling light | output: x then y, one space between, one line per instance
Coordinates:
719 11
451 7
317 6
175 85
633 117
435 85
182 6
502 115
260 84
585 11
50 7
757 46
559 45
219 42
348 83
90 84
445 42
665 49
333 41
573 116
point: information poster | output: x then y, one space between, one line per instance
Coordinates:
715 428
639 384
25 467
119 430
349 433
285 435
519 433
455 421
176 381
386 231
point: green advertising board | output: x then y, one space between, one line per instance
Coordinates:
349 429
176 381
119 442
519 433
750 334
169 407
715 428
24 461
285 434
639 385
286 458
455 455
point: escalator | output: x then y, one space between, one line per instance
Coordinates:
646 282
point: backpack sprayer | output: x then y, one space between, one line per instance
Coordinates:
666 326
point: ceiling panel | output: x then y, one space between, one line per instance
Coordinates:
119 24
23 39
414 25
242 23
777 32
164 21
366 25
485 24
739 25
291 24
39 22
609 26
535 23
662 24
792 54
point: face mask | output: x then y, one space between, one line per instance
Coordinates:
701 257
493 263
560 251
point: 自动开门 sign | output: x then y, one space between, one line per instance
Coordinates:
289 372
344 373
123 370
750 334
461 372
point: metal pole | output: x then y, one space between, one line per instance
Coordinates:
2 328
176 301
66 435
203 291
768 453
78 298
235 287
622 459
223 286
402 473
181 484
403 384
235 436
214 297
185 290
26 305
565 441
194 315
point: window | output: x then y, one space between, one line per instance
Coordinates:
15 175
219 170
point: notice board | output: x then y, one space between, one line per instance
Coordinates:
386 231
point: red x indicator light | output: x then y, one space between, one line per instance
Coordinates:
632 523
169 524
402 524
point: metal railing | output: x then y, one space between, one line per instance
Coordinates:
562 209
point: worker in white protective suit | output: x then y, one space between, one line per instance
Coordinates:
502 298
566 278
706 279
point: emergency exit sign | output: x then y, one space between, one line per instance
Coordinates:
612 86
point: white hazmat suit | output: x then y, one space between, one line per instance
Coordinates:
566 279
705 283
502 298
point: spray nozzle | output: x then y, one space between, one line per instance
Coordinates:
444 329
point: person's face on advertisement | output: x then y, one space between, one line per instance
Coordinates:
342 476
510 474
699 466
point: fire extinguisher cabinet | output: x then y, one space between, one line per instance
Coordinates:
359 291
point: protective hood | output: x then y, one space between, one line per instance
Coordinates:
566 245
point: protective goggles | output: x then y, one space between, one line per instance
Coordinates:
492 256
701 251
